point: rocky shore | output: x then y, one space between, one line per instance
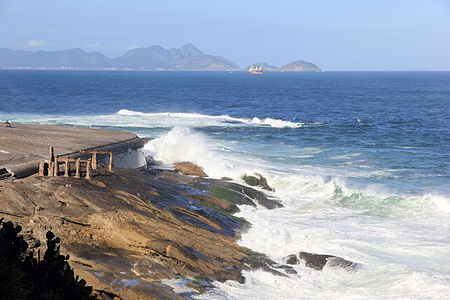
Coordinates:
141 234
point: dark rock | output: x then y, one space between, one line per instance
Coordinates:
318 261
261 182
152 162
226 178
291 259
287 269
240 195
251 180
261 198
342 263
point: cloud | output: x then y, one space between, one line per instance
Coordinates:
36 43
93 46
133 47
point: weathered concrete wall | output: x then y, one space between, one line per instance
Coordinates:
129 158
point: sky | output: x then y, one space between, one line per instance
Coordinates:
336 35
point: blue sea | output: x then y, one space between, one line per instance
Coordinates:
360 160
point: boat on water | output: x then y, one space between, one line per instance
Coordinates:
255 70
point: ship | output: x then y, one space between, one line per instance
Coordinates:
255 70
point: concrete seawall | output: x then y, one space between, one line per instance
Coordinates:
24 146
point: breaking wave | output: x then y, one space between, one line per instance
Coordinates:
136 119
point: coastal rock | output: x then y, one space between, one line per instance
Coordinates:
182 254
287 269
237 194
291 259
257 181
318 261
188 168
128 230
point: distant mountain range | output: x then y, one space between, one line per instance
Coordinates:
153 58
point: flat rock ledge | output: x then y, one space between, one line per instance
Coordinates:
128 232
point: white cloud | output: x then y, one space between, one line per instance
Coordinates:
93 46
133 47
36 43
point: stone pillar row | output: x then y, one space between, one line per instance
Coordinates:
91 164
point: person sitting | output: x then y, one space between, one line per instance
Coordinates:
7 123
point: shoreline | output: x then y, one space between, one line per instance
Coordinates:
132 233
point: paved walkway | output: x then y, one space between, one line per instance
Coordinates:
25 143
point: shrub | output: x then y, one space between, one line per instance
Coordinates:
22 276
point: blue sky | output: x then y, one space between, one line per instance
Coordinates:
336 35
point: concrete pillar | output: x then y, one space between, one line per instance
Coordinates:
56 166
41 169
111 162
77 168
94 160
51 173
67 170
51 155
88 170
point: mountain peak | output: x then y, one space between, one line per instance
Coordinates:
190 50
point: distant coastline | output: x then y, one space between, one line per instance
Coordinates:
152 58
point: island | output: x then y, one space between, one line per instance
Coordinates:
295 66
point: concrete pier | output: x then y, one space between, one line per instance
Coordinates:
24 146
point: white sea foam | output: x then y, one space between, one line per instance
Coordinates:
400 240
187 119
129 118
186 144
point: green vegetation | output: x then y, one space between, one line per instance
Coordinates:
22 276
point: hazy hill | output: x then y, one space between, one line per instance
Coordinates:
300 66
296 66
264 66
76 58
187 58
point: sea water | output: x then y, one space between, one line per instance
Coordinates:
360 161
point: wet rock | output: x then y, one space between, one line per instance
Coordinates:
241 195
200 285
226 193
188 168
261 198
291 259
152 162
258 181
287 269
260 261
318 261
342 263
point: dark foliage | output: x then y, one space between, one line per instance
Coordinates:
22 276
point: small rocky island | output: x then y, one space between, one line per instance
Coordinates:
295 66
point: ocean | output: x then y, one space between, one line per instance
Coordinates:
360 161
